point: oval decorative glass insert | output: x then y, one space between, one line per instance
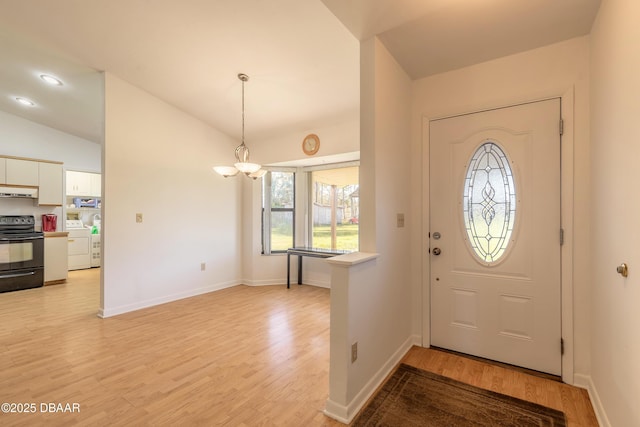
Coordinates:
489 202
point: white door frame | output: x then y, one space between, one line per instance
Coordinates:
566 218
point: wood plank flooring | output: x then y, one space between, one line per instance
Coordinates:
243 356
573 401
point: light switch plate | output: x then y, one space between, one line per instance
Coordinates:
138 217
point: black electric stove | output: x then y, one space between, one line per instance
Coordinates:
21 253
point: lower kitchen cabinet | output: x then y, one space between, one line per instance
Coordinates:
55 257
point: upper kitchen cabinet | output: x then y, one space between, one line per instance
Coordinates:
44 174
21 172
96 184
50 191
83 184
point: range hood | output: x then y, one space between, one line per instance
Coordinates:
23 192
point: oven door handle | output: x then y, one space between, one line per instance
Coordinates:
9 276
14 239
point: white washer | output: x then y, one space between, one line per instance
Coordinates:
79 245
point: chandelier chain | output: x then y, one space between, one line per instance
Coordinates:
243 80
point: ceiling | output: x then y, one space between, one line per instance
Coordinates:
303 63
433 36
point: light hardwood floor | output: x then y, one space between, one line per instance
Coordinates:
243 356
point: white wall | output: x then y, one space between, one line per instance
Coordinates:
158 162
540 73
336 138
615 311
23 138
383 323
379 293
259 269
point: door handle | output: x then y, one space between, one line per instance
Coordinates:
19 239
623 270
437 251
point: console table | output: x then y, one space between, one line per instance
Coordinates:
311 252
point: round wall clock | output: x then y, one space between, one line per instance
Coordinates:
311 144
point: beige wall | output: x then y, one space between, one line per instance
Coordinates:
546 72
378 315
157 161
615 311
258 269
336 138
384 159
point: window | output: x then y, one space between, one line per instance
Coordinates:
278 211
334 208
489 203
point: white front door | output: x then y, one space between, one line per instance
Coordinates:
495 234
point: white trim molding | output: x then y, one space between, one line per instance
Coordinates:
585 381
346 414
566 96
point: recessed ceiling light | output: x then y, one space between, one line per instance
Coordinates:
53 81
25 101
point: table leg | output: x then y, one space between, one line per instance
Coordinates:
299 269
288 270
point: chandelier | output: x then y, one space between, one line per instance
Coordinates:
252 170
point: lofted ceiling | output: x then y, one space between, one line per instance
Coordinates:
303 64
301 55
427 37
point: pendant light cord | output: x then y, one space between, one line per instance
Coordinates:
243 80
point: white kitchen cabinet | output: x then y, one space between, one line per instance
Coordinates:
55 257
96 184
83 184
3 170
22 172
50 183
78 184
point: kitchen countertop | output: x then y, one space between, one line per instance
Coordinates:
56 234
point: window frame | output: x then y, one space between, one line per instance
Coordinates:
509 189
266 213
310 189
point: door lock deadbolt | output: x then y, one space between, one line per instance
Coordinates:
436 236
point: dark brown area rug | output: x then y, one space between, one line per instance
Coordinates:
413 397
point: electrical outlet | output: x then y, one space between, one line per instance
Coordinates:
138 217
400 220
203 266
354 352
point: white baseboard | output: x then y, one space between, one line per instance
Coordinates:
345 414
333 410
417 340
585 381
271 282
114 311
326 285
